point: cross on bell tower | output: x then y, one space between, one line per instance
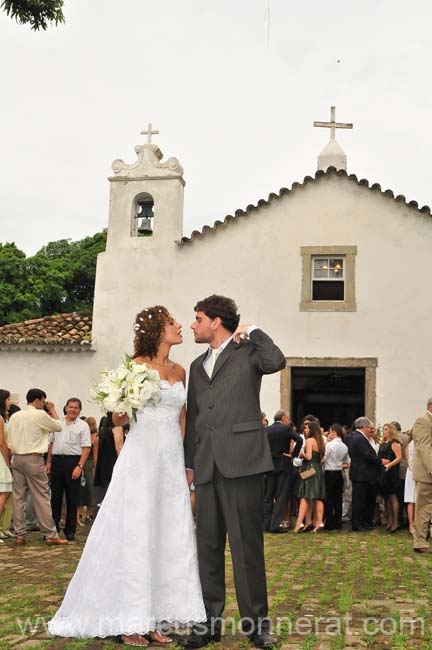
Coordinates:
332 155
149 133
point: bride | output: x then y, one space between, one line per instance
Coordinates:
138 571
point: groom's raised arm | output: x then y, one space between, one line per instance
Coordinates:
267 356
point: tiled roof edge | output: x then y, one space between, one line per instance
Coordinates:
400 198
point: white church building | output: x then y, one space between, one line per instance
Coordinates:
335 269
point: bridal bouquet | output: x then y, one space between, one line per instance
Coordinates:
128 388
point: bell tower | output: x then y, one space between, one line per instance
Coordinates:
146 200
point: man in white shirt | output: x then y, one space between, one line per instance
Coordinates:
336 459
67 454
28 440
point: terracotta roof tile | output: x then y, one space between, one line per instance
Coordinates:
71 329
376 187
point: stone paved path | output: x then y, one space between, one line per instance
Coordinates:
330 591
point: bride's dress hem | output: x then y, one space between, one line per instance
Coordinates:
74 628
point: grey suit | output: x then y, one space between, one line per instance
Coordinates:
227 447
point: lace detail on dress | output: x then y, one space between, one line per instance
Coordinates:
139 566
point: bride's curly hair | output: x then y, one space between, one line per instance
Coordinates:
149 327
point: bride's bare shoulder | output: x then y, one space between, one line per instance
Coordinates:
180 371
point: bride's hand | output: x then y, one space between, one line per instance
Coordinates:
189 476
120 419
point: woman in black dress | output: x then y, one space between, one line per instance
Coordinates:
391 449
111 439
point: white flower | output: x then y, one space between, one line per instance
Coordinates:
128 388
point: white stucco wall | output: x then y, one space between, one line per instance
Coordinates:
256 260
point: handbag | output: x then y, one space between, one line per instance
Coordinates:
307 473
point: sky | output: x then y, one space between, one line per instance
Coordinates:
233 87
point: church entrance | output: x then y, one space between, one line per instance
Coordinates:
335 389
332 394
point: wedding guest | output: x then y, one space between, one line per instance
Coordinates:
391 450
110 443
87 489
5 464
278 484
312 489
410 486
404 440
336 458
28 440
310 514
364 469
264 419
374 438
6 515
422 473
292 504
67 454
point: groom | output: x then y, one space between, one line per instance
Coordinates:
226 456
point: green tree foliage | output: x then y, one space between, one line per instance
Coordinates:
60 278
36 13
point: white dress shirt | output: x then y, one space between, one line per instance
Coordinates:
71 439
336 455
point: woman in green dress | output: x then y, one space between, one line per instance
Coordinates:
5 473
312 489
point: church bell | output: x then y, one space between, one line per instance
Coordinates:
145 215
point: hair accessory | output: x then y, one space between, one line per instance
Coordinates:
150 316
146 309
142 331
136 327
141 319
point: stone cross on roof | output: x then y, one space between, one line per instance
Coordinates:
332 154
333 125
149 133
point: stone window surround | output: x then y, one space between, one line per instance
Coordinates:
349 253
370 365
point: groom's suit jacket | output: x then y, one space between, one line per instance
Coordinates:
223 425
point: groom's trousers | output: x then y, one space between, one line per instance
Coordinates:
232 506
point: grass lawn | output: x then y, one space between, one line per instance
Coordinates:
330 591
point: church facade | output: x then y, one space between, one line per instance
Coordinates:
336 270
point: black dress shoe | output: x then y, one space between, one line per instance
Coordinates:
361 529
194 640
263 640
279 531
70 538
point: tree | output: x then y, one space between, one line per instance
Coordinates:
72 266
17 300
36 13
60 278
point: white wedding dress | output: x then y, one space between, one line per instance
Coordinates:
139 566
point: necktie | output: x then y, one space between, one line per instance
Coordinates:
214 353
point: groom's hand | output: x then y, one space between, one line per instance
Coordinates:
189 476
241 333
